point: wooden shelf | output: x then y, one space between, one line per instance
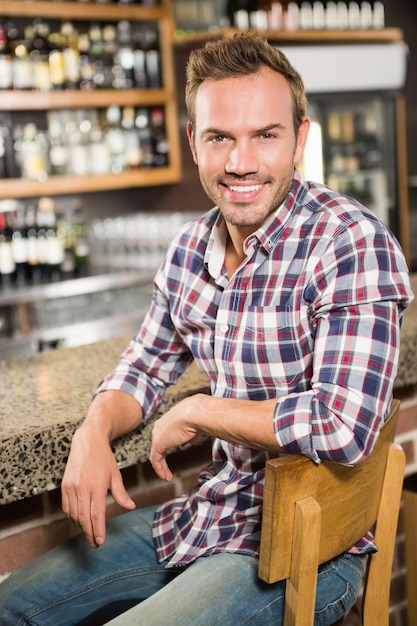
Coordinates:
72 98
55 185
162 16
387 35
81 11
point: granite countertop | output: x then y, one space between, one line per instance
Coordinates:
45 397
407 366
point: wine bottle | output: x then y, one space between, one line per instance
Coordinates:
6 81
39 54
33 260
19 246
53 245
71 55
80 240
7 264
22 66
56 61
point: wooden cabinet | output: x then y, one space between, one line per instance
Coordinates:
13 101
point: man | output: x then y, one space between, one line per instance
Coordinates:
289 297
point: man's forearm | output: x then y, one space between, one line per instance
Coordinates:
114 413
243 422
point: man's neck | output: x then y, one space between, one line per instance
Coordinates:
234 254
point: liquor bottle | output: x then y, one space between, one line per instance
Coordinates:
354 16
108 54
131 138
41 244
152 59
124 58
142 123
6 81
8 165
96 53
33 153
52 250
22 66
159 138
3 167
67 269
366 15
59 155
237 13
139 66
100 157
71 55
292 16
39 54
318 15
7 265
259 14
378 15
275 19
56 61
115 139
19 246
331 16
78 131
86 62
342 15
33 260
80 240
306 15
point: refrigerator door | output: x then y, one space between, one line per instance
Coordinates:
352 146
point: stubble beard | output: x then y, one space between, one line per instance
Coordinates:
233 216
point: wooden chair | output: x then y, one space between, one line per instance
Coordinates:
312 513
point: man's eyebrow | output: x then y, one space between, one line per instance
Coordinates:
276 126
213 131
218 131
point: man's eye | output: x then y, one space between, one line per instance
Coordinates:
218 138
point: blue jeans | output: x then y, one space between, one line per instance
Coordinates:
122 582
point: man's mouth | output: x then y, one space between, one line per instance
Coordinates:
244 188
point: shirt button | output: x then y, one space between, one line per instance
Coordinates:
224 328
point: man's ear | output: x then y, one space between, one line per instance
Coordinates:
190 135
302 136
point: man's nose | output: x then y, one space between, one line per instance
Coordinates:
242 159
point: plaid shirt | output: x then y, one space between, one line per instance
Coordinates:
311 318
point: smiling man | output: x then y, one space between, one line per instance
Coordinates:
289 297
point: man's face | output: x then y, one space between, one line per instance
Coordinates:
245 146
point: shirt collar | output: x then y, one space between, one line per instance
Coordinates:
271 231
267 235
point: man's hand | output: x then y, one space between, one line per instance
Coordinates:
243 422
92 469
172 429
90 473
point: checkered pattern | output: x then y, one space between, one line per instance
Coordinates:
311 318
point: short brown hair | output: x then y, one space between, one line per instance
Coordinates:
240 55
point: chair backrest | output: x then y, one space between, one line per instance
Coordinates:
312 513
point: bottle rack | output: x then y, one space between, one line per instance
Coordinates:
35 101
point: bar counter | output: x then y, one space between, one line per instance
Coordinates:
44 398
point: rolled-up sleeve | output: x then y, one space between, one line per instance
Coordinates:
358 292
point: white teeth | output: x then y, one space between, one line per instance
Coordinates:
244 189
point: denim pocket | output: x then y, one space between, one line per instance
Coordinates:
338 585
